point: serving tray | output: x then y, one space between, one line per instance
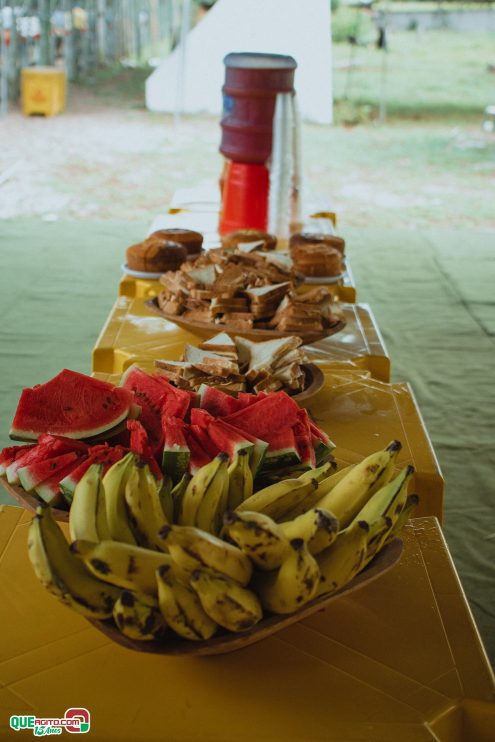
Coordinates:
209 329
229 642
30 502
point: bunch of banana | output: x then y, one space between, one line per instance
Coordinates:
206 496
209 552
62 573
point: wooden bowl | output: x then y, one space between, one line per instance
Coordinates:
229 642
314 380
209 329
31 502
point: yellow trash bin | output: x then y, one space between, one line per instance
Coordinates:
42 90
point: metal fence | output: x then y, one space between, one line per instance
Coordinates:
81 36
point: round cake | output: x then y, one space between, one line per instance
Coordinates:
190 240
232 239
317 259
156 257
312 238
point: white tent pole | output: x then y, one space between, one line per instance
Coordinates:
181 71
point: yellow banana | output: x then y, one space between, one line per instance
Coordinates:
82 514
225 601
293 584
177 495
166 499
240 479
138 617
317 527
346 499
214 501
114 483
191 548
62 573
277 499
102 528
319 473
181 607
404 515
344 559
325 484
258 536
196 489
124 565
143 501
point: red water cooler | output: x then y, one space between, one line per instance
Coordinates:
252 82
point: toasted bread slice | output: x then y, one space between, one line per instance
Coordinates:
220 343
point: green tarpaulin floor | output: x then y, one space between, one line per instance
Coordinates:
433 296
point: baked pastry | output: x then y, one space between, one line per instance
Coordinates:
232 239
192 241
311 238
317 259
156 257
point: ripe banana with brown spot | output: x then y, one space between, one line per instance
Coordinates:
344 559
124 565
240 479
114 483
145 508
293 584
191 548
208 483
138 617
279 498
63 574
317 527
258 536
181 607
225 601
84 506
346 499
325 485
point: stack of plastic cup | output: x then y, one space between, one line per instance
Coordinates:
281 170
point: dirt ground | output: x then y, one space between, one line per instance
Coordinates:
100 161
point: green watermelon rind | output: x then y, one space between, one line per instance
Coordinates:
175 462
281 458
17 434
29 475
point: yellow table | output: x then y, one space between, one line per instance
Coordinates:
400 659
132 332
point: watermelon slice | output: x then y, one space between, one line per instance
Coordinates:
8 455
216 402
204 439
50 491
34 474
269 415
103 454
175 458
322 444
178 401
71 404
49 447
197 456
149 394
139 442
282 450
304 439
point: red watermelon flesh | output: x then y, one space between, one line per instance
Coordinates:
178 401
304 438
139 442
34 474
201 417
149 394
51 446
275 412
49 490
216 402
101 454
8 455
198 457
206 441
282 450
319 433
71 404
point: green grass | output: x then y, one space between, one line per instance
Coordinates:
436 75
